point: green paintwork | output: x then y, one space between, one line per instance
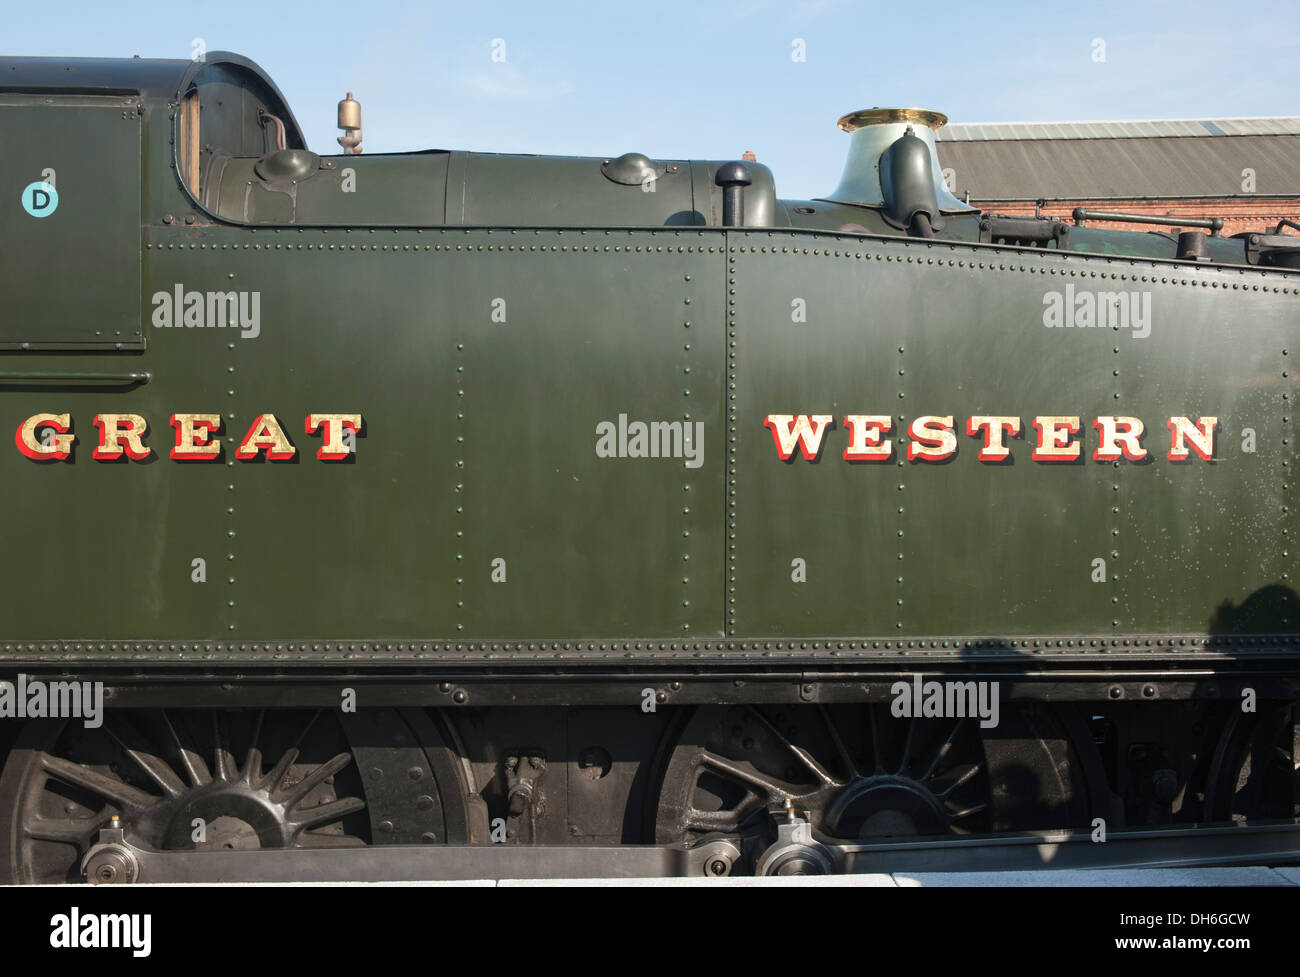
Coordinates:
479 189
50 302
480 435
1005 550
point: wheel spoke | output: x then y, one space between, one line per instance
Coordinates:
253 759
970 772
191 762
943 751
72 831
252 767
877 759
315 779
277 773
158 771
973 809
697 820
306 729
224 765
845 757
149 763
772 788
907 747
111 788
802 755
325 813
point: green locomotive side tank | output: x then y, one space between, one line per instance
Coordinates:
565 413
621 465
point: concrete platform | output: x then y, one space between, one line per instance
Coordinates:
1061 878
1094 878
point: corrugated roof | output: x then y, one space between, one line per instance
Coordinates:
1125 167
1119 129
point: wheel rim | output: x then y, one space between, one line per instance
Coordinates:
1253 775
208 780
857 772
732 767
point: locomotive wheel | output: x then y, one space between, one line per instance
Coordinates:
177 781
861 773
1253 773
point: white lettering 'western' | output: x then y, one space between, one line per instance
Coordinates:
798 430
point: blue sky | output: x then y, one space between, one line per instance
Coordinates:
704 80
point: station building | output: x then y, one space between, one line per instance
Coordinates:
1245 171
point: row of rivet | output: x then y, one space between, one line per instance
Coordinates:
1262 642
732 428
458 567
1113 574
691 249
850 244
901 514
686 485
464 248
1286 473
231 623
1041 270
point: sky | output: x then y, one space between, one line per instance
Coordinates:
682 80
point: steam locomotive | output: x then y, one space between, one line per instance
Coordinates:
461 515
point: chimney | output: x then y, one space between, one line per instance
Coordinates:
887 169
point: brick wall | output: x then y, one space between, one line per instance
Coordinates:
1257 213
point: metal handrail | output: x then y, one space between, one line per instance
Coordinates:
1213 224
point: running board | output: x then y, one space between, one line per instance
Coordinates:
115 860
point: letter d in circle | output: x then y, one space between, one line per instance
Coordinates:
40 199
